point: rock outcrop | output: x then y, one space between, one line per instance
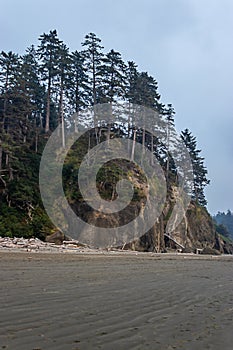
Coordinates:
195 233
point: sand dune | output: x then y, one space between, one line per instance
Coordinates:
115 301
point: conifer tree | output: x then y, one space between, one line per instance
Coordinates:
63 70
169 113
30 76
78 85
145 93
93 55
113 86
226 220
93 60
9 65
131 86
48 51
113 71
9 70
35 92
132 78
199 169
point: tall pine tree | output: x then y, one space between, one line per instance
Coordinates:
78 86
199 169
48 51
93 57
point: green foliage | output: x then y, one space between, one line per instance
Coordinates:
21 211
222 230
199 169
113 83
43 88
224 222
226 239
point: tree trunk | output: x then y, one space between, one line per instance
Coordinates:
0 155
11 176
63 129
143 139
7 159
48 107
128 125
134 142
109 125
152 149
77 107
76 122
41 122
168 146
94 97
5 99
94 79
36 141
61 116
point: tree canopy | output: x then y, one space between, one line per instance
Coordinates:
42 89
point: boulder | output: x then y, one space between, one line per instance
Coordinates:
210 251
57 237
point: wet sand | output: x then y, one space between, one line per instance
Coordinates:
115 301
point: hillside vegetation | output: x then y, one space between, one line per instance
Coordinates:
42 89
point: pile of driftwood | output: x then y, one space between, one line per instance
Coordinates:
35 244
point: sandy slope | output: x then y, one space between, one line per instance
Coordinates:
111 301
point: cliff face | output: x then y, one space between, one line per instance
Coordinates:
195 233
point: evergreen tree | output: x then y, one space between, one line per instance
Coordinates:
199 169
132 79
143 90
225 219
93 55
48 51
113 71
35 92
146 91
93 61
9 65
30 77
10 100
63 71
222 230
169 113
131 86
78 89
113 85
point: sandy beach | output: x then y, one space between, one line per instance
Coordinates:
115 301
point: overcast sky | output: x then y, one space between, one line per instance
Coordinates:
185 44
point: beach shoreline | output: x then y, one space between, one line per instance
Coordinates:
115 300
